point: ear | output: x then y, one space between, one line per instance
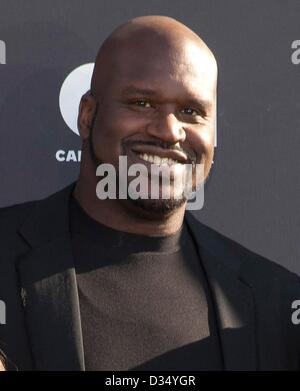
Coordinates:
86 114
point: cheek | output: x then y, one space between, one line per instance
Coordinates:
110 131
208 141
202 142
106 139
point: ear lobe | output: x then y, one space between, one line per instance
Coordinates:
86 113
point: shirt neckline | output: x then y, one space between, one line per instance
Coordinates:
83 225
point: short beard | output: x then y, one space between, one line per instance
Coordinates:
158 206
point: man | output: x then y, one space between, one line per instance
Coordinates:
140 284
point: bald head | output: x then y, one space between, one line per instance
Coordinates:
154 39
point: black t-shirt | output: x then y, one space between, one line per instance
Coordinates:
144 301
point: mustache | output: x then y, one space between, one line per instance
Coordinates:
161 144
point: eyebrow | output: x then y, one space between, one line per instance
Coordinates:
136 90
203 103
131 90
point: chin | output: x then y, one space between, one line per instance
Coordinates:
158 207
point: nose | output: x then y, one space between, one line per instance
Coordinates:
167 128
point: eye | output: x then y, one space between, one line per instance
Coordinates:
190 111
142 103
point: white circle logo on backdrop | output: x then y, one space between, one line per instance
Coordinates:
75 85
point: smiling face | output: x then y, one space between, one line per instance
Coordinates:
156 104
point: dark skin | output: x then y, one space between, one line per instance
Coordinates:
153 90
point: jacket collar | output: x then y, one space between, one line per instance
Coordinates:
50 297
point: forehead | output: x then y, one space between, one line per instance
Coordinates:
182 69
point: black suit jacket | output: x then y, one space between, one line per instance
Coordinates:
252 295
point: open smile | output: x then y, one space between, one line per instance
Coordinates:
160 156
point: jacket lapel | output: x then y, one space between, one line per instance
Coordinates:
48 287
233 299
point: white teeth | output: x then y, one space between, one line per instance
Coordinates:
157 159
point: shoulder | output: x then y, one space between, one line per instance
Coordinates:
43 210
255 269
12 216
